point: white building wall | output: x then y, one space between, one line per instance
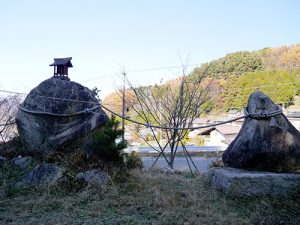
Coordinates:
216 139
295 122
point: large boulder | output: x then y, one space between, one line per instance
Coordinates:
267 141
56 112
2 160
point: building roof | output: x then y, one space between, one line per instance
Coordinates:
224 129
222 119
206 131
227 129
293 114
233 111
202 120
62 61
227 141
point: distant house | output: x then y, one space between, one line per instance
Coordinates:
233 113
204 133
199 122
293 114
221 119
295 121
294 117
221 135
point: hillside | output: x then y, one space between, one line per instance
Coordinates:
274 71
239 63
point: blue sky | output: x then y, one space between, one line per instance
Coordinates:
104 36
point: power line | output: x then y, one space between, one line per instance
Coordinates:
81 101
271 114
255 87
116 114
133 121
119 105
100 77
13 92
167 68
7 124
161 68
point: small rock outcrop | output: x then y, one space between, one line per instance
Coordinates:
56 112
2 160
267 141
41 175
22 162
243 183
94 177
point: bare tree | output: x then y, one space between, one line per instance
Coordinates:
8 109
172 106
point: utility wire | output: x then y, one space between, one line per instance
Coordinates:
160 68
255 87
13 92
277 112
8 124
183 128
100 77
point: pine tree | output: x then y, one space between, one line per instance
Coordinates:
104 144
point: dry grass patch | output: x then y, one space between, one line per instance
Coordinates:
147 197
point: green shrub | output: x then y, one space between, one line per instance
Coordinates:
103 150
133 161
103 143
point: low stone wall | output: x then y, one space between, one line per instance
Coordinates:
244 183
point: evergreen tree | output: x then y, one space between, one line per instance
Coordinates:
104 142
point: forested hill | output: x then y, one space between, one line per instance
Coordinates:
232 64
275 71
238 63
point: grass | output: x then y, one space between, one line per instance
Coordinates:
144 197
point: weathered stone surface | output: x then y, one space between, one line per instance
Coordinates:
94 177
244 183
266 143
22 162
44 133
2 160
41 175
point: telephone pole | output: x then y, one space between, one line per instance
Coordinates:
123 106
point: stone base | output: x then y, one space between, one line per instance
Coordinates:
244 183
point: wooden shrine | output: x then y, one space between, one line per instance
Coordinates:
61 66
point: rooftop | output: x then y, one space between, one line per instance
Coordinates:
202 120
233 111
227 129
62 61
224 129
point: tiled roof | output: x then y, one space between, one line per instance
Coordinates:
62 61
201 120
227 129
